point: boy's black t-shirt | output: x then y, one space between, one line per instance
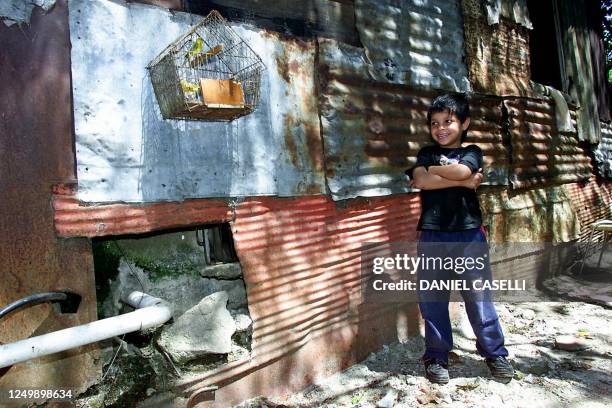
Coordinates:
454 208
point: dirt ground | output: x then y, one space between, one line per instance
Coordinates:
536 335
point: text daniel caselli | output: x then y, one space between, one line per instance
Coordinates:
458 265
477 285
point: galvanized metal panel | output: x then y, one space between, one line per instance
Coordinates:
414 42
127 152
37 151
603 152
497 56
373 130
540 154
514 10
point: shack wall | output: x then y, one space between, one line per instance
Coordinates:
329 116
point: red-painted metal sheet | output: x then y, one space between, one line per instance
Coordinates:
301 260
592 202
37 151
73 219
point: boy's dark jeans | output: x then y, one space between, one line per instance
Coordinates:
434 303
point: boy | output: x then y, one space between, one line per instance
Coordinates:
448 176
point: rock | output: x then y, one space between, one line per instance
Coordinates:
570 343
465 328
234 288
244 330
243 322
410 380
207 328
222 271
520 323
442 397
454 357
539 367
388 401
528 314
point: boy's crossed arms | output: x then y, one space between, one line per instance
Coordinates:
452 175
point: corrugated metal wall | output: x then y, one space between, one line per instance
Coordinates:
301 256
579 66
540 154
414 42
373 130
603 152
534 215
592 202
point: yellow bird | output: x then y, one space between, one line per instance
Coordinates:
189 87
196 48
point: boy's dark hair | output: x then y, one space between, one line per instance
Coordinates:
453 103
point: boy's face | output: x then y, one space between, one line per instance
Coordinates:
446 128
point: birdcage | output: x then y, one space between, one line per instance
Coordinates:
210 73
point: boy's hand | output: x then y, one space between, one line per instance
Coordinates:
474 180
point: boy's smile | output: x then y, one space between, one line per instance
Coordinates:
446 128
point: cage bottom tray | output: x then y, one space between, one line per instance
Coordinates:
213 111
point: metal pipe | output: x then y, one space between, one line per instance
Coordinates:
31 300
150 312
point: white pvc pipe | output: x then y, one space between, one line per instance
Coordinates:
150 312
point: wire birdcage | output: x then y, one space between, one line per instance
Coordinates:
210 73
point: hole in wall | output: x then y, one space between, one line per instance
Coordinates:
198 272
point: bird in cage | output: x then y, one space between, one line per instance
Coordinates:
189 89
196 48
197 57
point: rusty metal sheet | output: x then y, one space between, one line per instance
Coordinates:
497 56
541 154
373 130
592 202
37 151
73 219
126 152
19 11
414 42
579 66
541 215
